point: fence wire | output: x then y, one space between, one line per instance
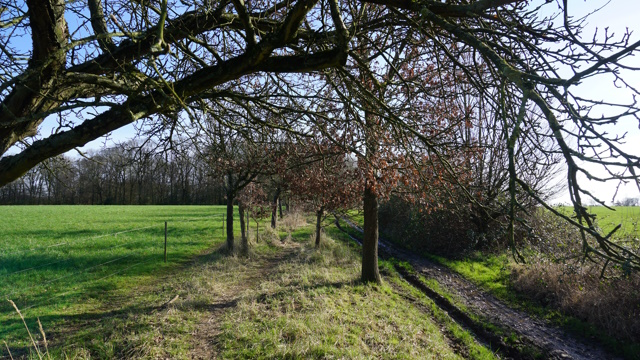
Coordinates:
83 284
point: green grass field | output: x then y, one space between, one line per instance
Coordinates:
287 300
626 216
57 262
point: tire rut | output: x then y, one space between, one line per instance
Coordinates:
546 338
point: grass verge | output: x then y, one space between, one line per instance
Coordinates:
313 306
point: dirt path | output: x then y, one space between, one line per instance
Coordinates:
544 337
205 339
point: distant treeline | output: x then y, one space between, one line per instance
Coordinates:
121 175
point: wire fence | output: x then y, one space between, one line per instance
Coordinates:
39 291
79 287
95 237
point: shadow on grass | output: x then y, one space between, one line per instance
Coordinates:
111 309
290 290
115 312
44 239
78 254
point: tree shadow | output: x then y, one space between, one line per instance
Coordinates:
12 328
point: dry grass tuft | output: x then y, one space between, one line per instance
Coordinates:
326 242
612 305
556 276
329 253
270 236
292 221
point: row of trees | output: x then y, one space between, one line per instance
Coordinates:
628 202
126 174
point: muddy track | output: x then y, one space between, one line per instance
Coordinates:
544 338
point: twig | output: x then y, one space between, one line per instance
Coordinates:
166 305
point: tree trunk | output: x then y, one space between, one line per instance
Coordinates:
280 208
231 195
230 198
274 208
319 214
244 247
371 139
370 242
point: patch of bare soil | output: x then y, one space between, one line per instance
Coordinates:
547 339
204 339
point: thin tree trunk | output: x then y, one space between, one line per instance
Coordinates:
274 208
230 198
319 214
244 247
230 223
370 271
280 208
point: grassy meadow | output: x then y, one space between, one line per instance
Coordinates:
607 219
627 216
58 262
287 300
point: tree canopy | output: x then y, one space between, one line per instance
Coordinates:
422 73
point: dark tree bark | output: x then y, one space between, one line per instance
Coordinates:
319 215
274 208
230 198
370 271
244 245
